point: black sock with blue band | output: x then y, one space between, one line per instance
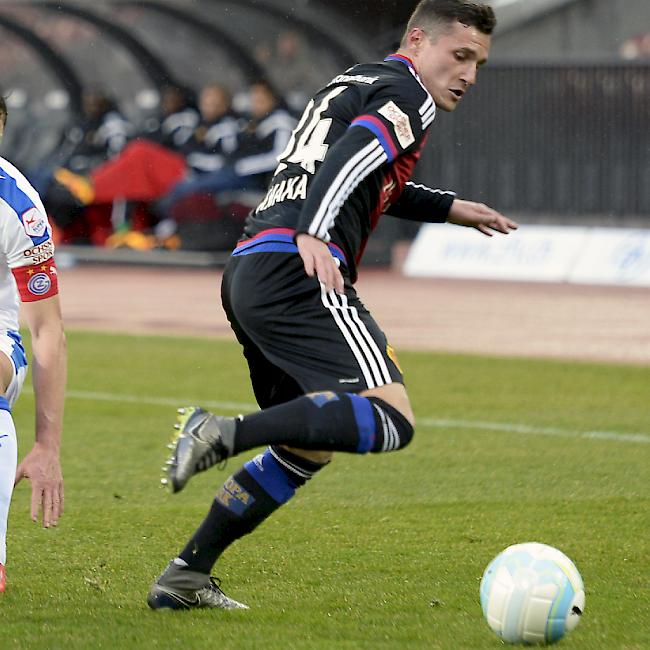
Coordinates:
327 421
244 501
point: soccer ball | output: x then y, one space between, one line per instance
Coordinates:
532 594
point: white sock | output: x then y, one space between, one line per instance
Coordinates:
8 460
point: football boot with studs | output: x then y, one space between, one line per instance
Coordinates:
202 440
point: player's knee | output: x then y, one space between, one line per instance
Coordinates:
408 416
396 396
398 429
405 429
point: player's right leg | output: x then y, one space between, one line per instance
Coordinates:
13 364
244 501
247 497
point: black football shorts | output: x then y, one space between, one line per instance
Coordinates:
298 338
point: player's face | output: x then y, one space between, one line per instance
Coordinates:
448 65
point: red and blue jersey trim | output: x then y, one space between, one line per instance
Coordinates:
278 240
402 59
378 128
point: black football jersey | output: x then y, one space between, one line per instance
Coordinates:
351 157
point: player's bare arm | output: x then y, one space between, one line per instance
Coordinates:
479 216
318 261
42 464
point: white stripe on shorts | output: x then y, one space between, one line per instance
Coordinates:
363 346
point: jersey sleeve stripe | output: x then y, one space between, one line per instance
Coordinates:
362 164
344 174
16 196
378 128
428 116
427 106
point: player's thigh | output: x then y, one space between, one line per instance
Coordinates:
6 372
271 384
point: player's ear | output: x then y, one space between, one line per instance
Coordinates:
415 37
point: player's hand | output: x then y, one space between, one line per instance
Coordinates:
42 467
319 261
479 216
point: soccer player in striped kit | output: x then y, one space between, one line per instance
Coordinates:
320 366
28 272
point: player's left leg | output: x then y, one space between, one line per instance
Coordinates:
245 500
353 423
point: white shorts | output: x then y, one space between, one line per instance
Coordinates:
11 345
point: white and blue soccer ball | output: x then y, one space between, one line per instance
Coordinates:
532 594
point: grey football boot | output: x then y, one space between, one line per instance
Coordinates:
202 440
178 588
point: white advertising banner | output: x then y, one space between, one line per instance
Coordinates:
532 253
615 256
611 256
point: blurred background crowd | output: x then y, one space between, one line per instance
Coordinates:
157 124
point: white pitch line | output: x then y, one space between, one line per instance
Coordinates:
429 422
532 431
159 401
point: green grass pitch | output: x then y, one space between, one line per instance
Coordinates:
377 552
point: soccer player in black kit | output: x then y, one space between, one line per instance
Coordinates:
322 371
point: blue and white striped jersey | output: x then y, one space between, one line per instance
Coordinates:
26 248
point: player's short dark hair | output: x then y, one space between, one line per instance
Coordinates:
445 12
